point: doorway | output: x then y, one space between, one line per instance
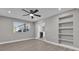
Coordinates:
40 30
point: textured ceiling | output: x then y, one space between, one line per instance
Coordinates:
17 13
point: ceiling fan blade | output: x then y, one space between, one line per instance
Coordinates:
32 17
37 15
31 11
25 10
35 11
26 15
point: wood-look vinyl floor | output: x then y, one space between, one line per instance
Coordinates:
31 45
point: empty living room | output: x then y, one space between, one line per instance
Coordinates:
39 29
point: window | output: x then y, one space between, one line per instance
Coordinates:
20 27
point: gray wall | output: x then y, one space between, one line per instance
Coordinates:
51 29
6 30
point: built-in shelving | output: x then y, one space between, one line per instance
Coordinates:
66 29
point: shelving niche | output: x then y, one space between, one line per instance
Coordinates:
66 29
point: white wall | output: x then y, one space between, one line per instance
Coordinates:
6 30
51 29
76 28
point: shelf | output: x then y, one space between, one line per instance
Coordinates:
67 34
66 40
64 17
69 21
65 27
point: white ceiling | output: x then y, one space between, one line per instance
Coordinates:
17 12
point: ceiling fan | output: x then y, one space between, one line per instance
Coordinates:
32 13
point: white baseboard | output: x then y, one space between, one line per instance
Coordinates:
16 40
62 45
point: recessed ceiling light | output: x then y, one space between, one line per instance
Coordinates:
59 9
9 12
